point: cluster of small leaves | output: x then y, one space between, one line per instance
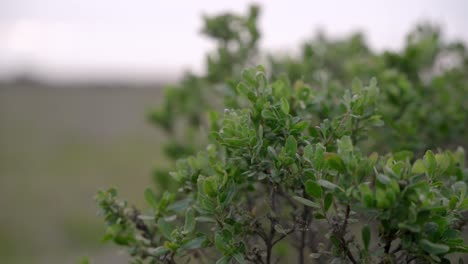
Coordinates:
423 86
295 168
149 236
271 186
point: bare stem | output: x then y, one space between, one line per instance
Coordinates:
344 243
304 230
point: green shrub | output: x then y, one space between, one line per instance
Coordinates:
308 163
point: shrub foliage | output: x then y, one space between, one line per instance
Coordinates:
302 161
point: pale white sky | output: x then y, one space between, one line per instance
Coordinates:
151 38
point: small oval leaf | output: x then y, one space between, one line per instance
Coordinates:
306 202
313 189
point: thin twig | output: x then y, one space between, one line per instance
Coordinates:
342 234
283 236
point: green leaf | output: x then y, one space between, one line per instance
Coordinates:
157 252
411 227
189 221
306 202
268 114
261 69
313 189
249 76
291 146
173 246
165 228
209 187
222 241
328 185
284 105
272 152
328 201
430 161
194 243
309 153
310 175
453 202
382 199
335 162
223 260
418 167
146 217
384 179
165 201
180 205
367 195
112 192
464 204
373 158
394 186
433 248
303 93
443 161
319 156
244 90
239 258
150 198
345 145
335 240
366 235
300 126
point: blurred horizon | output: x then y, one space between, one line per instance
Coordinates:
145 41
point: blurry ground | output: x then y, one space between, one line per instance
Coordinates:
57 148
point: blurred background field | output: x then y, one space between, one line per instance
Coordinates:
58 145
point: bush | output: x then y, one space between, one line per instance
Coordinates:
307 163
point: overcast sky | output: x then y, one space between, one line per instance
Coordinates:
146 38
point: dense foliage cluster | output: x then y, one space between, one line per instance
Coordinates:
308 163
